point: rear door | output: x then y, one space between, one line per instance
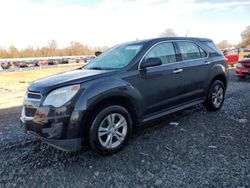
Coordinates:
195 66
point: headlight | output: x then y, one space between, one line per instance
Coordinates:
239 65
61 96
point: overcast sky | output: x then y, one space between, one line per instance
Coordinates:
109 22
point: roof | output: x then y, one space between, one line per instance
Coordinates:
169 38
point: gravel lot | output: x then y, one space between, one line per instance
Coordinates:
202 149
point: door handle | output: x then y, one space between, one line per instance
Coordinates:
176 71
207 63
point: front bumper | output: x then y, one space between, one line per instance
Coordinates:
64 145
59 127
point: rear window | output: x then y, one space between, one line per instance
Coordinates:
190 50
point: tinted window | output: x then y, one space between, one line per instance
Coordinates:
189 50
203 53
164 51
213 47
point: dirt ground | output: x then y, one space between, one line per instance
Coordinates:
191 148
13 84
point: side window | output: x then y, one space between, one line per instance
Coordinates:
203 53
164 51
190 51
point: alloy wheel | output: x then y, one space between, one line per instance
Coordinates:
112 130
217 96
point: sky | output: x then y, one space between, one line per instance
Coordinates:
109 22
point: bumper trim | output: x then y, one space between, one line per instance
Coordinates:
68 145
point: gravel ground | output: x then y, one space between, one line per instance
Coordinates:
191 148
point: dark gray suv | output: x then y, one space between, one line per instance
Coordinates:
126 86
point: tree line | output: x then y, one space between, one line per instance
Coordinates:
224 44
51 49
245 41
76 48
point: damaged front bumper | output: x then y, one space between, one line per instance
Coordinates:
59 127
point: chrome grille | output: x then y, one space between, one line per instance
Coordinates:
33 95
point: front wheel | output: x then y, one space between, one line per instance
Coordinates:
110 129
215 96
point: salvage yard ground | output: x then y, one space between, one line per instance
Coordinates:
13 84
191 148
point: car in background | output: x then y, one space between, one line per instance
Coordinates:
5 65
41 63
23 64
232 56
53 62
50 62
64 61
243 68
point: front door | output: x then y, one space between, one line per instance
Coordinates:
162 86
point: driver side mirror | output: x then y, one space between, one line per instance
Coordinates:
150 62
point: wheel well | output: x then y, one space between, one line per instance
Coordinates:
115 100
221 78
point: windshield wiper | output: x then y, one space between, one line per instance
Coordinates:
95 68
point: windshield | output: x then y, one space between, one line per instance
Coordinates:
115 58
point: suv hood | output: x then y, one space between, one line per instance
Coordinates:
47 84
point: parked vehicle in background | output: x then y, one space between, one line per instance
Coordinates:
53 62
50 62
64 61
5 65
22 64
126 86
97 53
232 56
42 63
89 58
243 68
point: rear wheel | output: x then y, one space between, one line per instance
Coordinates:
110 129
215 96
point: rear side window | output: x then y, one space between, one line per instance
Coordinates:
164 51
190 51
213 47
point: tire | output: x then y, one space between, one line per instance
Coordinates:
215 96
110 130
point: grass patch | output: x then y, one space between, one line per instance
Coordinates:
13 85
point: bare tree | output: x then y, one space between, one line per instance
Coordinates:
3 53
52 48
245 37
13 51
224 45
75 48
168 33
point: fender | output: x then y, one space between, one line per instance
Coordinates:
217 69
104 88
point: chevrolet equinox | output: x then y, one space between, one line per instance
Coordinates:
124 87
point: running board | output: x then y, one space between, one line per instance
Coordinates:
172 110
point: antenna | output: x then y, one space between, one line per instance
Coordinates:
187 32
